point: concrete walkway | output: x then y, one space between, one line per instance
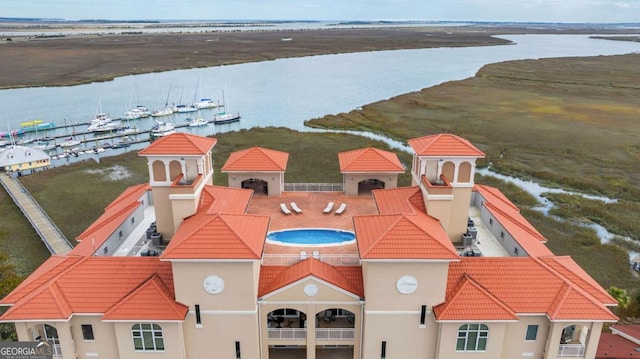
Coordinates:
55 241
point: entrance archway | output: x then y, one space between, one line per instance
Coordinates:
257 185
366 186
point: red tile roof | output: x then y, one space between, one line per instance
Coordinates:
369 160
180 143
115 213
469 301
217 199
348 278
135 306
514 223
219 236
630 330
613 346
402 236
85 285
399 200
256 159
447 145
526 285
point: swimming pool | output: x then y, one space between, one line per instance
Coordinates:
311 236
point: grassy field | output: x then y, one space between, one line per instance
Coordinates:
570 123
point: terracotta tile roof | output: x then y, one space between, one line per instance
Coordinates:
444 145
369 159
180 143
402 236
613 346
569 269
399 200
115 213
526 285
348 278
152 300
256 159
469 301
219 236
217 199
89 285
510 218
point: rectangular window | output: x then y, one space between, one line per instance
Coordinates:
423 315
198 318
516 250
383 350
133 220
238 350
490 221
87 332
532 333
501 235
120 234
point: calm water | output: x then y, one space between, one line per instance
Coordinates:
287 92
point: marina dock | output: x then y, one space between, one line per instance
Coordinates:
49 233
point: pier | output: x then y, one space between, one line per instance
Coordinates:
49 233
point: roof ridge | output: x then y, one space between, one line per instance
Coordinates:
106 220
383 233
241 238
152 280
517 222
262 150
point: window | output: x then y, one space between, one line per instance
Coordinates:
147 337
87 332
238 350
198 317
120 234
491 221
532 333
501 235
383 350
133 220
516 250
105 250
472 338
423 315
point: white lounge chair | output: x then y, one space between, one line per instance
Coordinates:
284 208
328 208
295 207
341 209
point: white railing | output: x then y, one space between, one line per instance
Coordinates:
287 333
335 333
57 351
313 187
571 350
290 259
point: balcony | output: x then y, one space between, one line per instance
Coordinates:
571 350
335 334
287 333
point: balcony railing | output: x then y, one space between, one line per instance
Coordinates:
287 333
57 351
335 334
290 259
313 187
571 350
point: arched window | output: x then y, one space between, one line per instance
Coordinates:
472 338
147 337
448 169
159 173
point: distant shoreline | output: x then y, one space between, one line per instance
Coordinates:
61 60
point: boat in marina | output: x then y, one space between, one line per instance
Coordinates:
225 116
163 112
36 125
69 142
205 103
106 127
161 129
197 122
136 113
184 108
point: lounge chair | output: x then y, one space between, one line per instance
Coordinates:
295 207
341 209
284 208
328 208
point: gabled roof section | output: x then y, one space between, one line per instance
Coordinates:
256 159
20 154
469 301
88 285
399 200
402 236
370 160
348 278
180 143
510 218
115 213
217 199
444 145
219 236
527 286
152 300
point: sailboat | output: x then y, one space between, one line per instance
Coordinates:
167 110
224 116
203 103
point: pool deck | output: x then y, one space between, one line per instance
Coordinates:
312 216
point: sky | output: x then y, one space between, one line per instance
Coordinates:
597 11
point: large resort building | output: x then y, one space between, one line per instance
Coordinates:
179 268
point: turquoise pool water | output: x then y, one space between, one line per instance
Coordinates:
311 236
